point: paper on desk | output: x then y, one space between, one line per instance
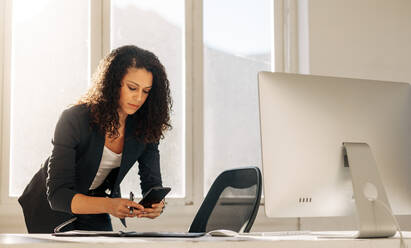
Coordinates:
276 237
89 239
336 234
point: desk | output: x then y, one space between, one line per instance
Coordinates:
304 241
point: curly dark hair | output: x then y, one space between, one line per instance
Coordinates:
103 97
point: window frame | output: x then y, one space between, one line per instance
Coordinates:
5 57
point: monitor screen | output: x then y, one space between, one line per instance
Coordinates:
305 119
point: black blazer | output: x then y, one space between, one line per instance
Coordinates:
73 164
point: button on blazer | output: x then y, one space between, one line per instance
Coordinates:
73 164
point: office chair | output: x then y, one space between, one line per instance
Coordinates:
231 203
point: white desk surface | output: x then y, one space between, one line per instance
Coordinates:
303 241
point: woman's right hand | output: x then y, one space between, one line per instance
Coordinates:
120 207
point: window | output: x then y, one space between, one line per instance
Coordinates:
49 71
236 46
158 26
49 66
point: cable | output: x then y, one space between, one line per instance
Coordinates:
397 225
58 228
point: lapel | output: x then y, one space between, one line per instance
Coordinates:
90 161
130 151
96 152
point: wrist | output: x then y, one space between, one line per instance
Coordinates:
107 206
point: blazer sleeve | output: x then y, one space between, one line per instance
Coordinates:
60 180
149 167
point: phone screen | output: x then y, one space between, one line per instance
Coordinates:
154 195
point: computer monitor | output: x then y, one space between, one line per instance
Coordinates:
305 119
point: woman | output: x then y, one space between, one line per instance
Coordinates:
117 123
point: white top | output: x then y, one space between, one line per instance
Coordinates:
109 161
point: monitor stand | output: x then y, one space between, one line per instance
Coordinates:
374 215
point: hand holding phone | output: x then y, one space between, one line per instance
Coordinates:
154 195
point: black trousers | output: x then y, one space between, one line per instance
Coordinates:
93 222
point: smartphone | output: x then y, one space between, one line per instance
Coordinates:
154 195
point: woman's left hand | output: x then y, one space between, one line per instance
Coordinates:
153 212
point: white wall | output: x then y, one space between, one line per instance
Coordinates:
368 39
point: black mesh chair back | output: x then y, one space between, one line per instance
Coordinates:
231 203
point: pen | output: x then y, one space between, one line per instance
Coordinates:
131 199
